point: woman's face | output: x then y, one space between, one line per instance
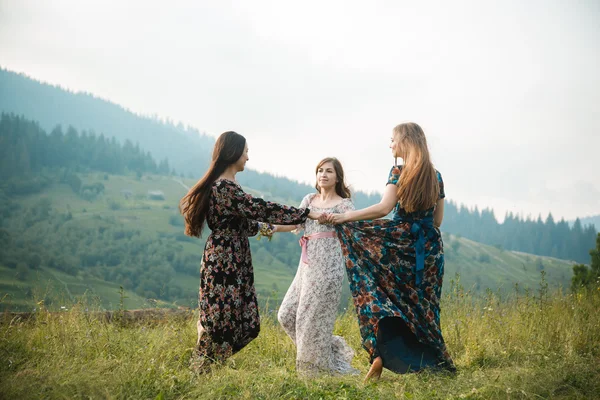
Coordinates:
326 176
241 162
395 146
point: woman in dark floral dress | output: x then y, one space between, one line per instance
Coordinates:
229 317
396 266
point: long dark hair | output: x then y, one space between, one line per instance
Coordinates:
340 186
194 205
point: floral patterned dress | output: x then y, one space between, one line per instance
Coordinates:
396 268
227 298
309 308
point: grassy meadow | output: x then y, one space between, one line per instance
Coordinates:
525 345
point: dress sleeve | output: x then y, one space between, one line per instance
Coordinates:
345 206
237 202
394 175
441 182
253 227
304 204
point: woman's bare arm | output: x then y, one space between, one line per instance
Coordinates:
438 214
379 210
285 228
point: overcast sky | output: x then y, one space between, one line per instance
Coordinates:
508 92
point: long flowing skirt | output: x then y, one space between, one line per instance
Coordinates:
309 308
229 317
399 319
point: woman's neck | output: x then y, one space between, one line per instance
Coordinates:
328 194
229 173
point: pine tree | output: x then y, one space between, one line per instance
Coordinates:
588 277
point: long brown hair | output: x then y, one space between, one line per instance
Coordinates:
340 186
194 205
418 187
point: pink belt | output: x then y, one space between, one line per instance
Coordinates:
304 241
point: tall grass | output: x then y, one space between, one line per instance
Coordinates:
526 345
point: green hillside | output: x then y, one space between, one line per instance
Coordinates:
126 208
125 205
59 289
481 266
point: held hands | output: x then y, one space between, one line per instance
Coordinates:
330 219
324 218
315 215
333 219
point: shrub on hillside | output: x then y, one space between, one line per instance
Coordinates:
484 258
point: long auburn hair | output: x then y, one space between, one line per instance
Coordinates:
340 186
418 186
194 205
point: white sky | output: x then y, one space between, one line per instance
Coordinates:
508 92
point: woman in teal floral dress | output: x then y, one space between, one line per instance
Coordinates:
396 266
228 308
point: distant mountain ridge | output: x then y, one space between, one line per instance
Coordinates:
188 152
187 149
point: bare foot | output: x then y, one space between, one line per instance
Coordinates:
375 371
200 332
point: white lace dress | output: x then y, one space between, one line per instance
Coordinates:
309 308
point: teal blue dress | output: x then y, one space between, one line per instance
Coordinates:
395 268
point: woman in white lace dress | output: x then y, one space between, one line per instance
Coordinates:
309 308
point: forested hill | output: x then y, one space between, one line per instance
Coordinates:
51 105
186 151
545 237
